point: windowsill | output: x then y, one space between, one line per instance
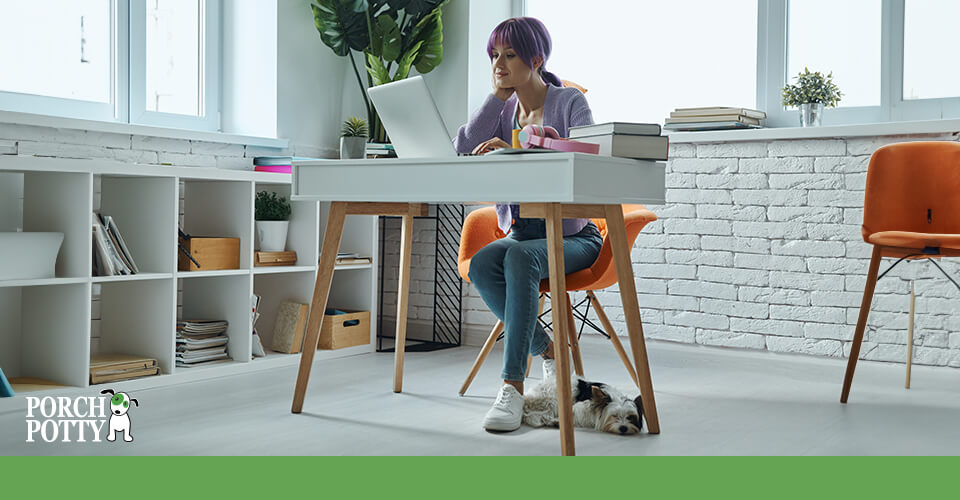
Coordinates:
133 129
831 131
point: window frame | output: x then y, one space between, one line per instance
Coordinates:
772 40
209 84
128 75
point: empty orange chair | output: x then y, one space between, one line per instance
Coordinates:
911 210
480 229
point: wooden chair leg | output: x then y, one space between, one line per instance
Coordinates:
862 321
913 299
484 352
617 233
321 292
574 341
539 312
608 327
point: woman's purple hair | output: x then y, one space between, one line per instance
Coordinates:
529 38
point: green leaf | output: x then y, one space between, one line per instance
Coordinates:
376 70
429 31
417 8
342 24
404 64
386 40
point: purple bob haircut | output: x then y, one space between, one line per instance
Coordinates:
529 38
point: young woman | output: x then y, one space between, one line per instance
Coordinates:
507 272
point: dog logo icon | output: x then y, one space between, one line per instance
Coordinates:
119 420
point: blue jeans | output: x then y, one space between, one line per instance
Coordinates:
507 275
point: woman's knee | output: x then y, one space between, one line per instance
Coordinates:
520 257
484 266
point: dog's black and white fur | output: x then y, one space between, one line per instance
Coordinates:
596 406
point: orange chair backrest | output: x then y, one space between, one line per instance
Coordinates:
913 187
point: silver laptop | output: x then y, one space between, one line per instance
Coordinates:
412 119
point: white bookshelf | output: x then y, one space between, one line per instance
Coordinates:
45 324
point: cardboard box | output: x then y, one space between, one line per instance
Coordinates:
345 330
213 254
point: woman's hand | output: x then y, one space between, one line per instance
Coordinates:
487 146
502 93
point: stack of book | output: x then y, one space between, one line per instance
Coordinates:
715 118
640 141
380 150
201 341
111 257
277 164
114 367
352 258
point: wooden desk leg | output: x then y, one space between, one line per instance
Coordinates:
617 232
561 329
321 291
403 299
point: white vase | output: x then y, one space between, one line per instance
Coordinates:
353 148
272 235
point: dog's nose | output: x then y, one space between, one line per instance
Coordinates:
623 429
118 412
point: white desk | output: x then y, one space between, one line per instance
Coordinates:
549 186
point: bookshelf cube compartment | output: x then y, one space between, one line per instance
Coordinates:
45 333
304 219
221 298
137 318
61 202
220 209
274 289
145 211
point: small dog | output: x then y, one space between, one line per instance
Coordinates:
595 406
119 420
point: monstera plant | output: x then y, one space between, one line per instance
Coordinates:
394 36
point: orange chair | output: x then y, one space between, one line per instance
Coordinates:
910 211
480 229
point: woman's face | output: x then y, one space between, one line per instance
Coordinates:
509 71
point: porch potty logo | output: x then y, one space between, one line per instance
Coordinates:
78 420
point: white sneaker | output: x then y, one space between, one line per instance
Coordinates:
549 369
507 411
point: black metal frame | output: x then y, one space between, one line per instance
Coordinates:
927 251
581 315
447 285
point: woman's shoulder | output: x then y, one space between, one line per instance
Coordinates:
565 95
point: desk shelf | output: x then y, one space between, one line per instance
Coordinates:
50 327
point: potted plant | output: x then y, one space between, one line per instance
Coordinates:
272 214
353 139
393 35
811 94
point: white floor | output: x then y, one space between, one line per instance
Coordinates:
711 402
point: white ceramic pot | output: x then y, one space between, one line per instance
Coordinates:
25 256
353 148
272 235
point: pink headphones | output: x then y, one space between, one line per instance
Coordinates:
548 138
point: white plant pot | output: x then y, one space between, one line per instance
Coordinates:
353 148
26 256
272 235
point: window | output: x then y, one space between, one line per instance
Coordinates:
892 59
152 62
930 41
846 43
640 60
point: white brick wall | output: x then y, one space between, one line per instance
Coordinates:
759 247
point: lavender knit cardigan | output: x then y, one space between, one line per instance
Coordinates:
564 107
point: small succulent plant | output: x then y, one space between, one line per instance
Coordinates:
354 127
269 206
